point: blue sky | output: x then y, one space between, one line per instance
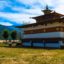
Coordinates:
18 12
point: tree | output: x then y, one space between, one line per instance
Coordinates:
5 34
14 34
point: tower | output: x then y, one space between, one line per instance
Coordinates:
47 10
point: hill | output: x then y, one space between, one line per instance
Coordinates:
9 28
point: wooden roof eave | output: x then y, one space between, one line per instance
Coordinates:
24 26
36 17
34 24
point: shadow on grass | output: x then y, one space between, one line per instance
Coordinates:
33 47
20 46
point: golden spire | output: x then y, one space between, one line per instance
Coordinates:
47 10
47 7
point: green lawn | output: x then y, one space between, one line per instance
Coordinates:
30 56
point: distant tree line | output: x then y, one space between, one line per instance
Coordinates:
6 35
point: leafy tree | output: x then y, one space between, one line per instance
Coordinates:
14 34
5 34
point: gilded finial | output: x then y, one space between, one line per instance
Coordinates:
47 7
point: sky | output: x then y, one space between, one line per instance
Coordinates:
18 12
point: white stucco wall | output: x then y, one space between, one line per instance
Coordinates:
45 35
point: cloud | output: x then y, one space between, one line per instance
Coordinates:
17 13
20 11
33 3
6 23
60 9
18 18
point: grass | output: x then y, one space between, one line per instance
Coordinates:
30 56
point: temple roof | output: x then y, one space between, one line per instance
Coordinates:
48 17
47 10
41 23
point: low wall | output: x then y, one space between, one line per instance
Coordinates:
2 41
